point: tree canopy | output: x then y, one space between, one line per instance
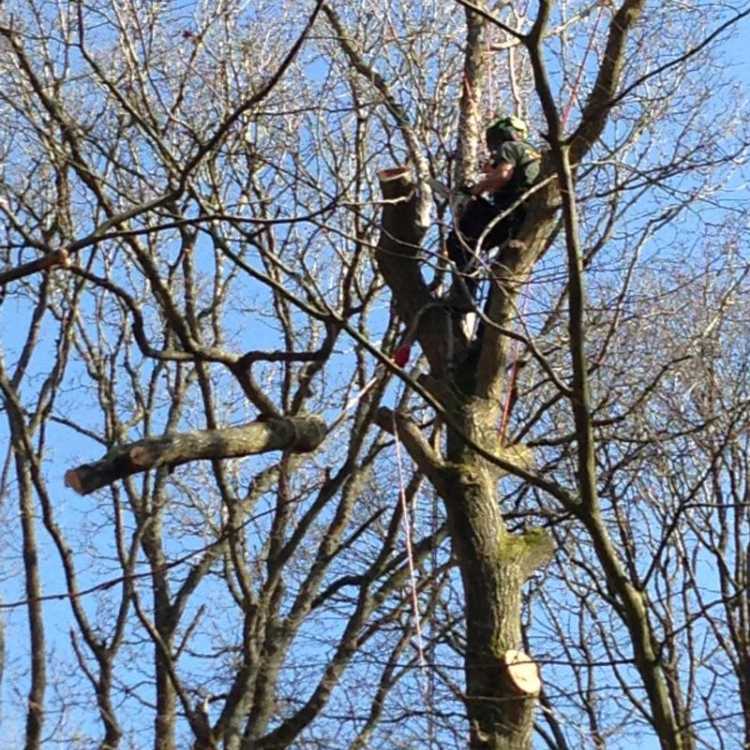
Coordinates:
262 487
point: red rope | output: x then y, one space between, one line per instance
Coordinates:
566 113
511 384
490 86
508 399
576 85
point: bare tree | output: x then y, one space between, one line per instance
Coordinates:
219 228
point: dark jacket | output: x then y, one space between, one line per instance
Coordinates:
525 162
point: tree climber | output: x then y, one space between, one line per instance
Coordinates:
511 171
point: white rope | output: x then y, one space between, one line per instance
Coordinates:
355 399
410 562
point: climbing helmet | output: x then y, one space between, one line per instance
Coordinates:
505 129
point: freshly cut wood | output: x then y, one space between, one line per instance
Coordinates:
295 434
522 673
395 173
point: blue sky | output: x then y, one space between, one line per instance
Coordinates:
738 58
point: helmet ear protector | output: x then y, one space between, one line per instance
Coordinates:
505 129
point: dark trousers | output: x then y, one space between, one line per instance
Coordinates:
476 217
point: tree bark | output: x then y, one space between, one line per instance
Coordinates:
494 564
35 714
37 638
398 256
494 567
295 434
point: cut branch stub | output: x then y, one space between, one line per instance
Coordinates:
296 434
395 182
399 258
50 260
521 673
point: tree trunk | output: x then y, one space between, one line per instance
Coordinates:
33 587
494 567
494 564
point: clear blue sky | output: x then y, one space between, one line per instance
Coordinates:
737 58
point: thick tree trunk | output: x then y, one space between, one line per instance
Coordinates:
494 564
494 567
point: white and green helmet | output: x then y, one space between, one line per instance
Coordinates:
506 129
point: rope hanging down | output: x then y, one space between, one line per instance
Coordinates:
410 558
564 119
512 382
576 85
